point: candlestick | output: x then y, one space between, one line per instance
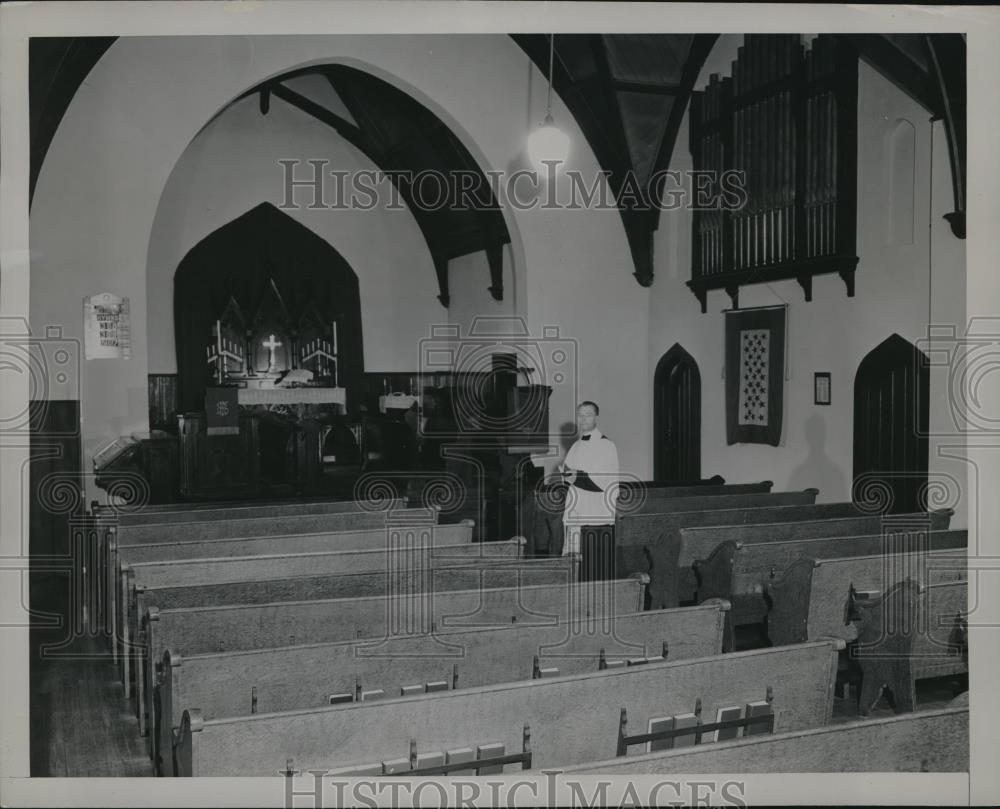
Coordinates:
335 337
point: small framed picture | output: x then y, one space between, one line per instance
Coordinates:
821 388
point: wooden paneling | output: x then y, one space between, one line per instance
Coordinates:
163 402
55 477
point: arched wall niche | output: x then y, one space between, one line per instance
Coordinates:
901 167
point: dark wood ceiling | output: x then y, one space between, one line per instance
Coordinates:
628 94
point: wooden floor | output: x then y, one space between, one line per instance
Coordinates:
81 725
80 722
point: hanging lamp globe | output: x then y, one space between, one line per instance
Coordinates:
548 143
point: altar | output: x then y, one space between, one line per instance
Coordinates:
271 396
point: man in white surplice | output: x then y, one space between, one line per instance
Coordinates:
591 470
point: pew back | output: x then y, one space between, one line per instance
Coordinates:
270 680
296 523
800 677
490 574
698 543
368 539
813 597
928 741
649 497
650 543
738 571
240 509
112 536
237 627
404 550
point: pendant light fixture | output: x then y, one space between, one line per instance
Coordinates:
548 142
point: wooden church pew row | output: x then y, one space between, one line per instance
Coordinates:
653 495
650 543
739 572
270 680
926 741
667 504
411 546
237 509
912 632
426 518
370 539
815 598
573 719
697 543
489 573
114 536
410 550
358 540
243 627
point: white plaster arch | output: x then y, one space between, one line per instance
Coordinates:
146 99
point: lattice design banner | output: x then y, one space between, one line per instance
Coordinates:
754 361
755 372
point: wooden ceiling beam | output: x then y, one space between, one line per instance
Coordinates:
646 87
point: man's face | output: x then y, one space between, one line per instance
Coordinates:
586 418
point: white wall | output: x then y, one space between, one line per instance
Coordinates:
893 293
144 102
232 166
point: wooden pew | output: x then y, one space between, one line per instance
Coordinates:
926 741
237 509
269 680
244 627
910 633
240 627
490 573
815 598
698 500
112 536
264 547
228 569
413 546
697 543
374 538
650 543
638 497
330 541
740 572
573 719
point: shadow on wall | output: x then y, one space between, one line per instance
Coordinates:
817 469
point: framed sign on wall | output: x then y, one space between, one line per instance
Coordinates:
821 387
107 328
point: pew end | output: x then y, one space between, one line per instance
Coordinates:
192 723
912 632
788 602
168 673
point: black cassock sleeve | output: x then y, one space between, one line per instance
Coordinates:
585 482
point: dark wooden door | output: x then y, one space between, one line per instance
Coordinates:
677 417
891 400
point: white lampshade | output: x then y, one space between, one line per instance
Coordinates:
548 142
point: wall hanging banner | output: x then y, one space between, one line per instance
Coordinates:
222 412
755 375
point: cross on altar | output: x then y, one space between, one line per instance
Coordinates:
270 344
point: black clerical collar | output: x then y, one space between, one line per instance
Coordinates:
584 437
592 434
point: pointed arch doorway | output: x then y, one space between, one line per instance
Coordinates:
677 418
891 401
